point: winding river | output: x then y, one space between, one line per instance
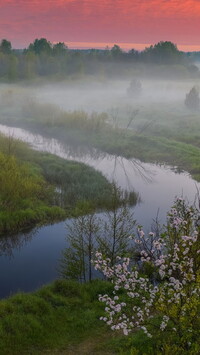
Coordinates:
30 260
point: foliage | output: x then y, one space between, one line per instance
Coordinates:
5 46
18 183
42 59
163 52
38 187
76 259
175 297
40 46
89 232
117 227
65 317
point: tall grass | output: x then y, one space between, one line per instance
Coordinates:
38 187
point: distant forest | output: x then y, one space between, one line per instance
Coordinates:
57 61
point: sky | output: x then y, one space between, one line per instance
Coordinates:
97 23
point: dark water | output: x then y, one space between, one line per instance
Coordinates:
30 260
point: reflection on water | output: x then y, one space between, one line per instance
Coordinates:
108 164
9 243
35 257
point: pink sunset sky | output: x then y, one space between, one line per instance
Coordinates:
97 23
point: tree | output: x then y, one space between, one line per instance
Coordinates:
174 301
192 100
30 65
88 232
133 54
12 67
5 46
163 53
41 46
60 49
76 259
118 226
116 51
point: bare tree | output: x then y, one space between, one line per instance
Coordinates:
76 259
119 224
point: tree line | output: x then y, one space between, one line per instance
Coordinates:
43 59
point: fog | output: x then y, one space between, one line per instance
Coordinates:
108 96
102 96
63 112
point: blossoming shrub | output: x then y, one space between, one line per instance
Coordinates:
171 301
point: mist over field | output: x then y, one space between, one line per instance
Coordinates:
158 100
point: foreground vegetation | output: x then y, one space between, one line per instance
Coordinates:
152 304
39 188
162 290
63 318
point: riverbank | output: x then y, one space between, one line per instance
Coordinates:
173 140
39 188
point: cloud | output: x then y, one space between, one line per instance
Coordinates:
92 20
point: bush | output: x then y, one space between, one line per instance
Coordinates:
175 298
192 100
135 88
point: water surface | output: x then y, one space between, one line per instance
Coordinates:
30 260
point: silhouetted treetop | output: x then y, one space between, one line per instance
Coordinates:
5 46
42 58
41 45
163 52
60 49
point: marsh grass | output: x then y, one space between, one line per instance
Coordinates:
40 188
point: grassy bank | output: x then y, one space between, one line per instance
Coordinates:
39 188
170 136
63 318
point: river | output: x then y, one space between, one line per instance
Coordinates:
30 260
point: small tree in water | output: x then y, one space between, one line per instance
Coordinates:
192 100
76 259
118 226
87 233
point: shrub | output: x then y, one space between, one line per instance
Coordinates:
192 100
175 301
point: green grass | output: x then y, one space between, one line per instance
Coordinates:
63 318
38 188
55 317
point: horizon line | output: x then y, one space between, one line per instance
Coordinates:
126 46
